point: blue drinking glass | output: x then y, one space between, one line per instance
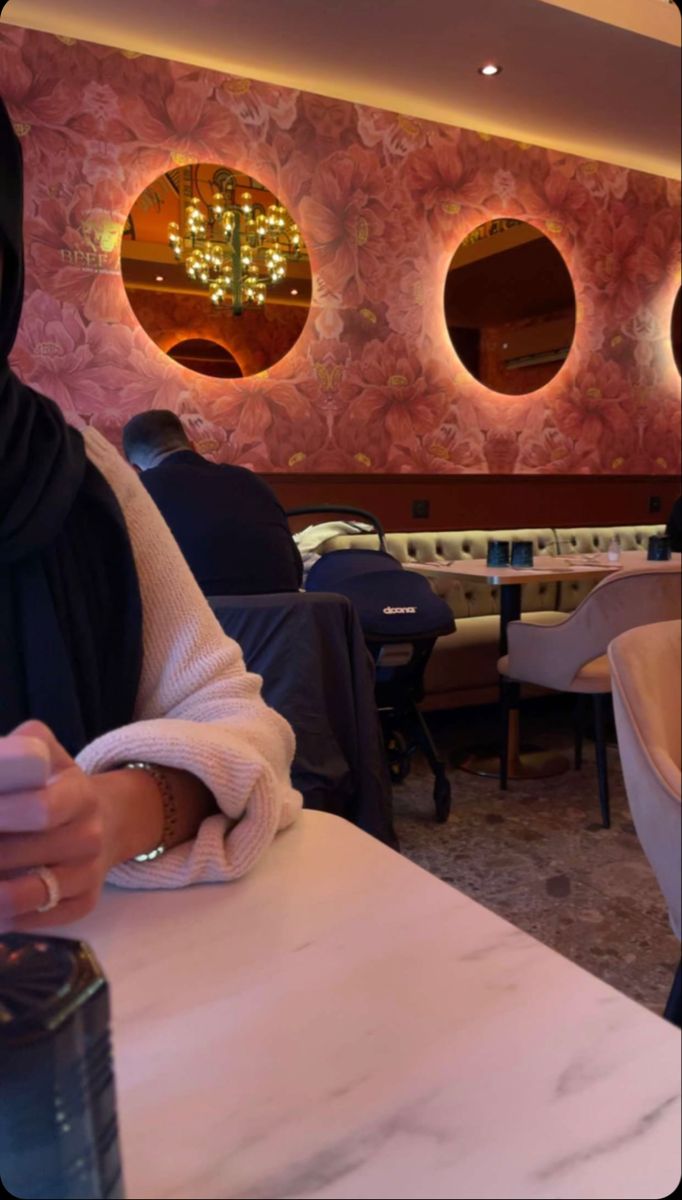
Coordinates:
659 548
498 553
522 554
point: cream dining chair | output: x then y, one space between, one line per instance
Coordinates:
571 656
646 676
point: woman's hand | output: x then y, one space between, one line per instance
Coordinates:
62 826
80 826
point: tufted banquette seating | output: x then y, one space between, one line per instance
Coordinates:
463 667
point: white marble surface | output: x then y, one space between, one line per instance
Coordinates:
342 1024
547 568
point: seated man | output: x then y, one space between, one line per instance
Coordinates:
227 521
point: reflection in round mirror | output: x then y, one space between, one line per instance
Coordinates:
210 358
510 306
216 270
676 332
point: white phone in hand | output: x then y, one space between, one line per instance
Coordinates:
24 764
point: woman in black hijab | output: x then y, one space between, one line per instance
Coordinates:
70 613
75 669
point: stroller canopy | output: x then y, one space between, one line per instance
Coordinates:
392 604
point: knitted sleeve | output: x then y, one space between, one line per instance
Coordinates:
197 709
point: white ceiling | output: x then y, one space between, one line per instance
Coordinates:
606 85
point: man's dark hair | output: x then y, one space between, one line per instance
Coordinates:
152 433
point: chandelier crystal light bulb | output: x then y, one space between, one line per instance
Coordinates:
235 247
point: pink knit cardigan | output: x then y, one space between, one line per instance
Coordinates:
197 708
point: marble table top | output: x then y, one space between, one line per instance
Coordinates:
342 1024
546 568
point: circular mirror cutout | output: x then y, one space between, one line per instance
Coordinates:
216 270
676 331
510 306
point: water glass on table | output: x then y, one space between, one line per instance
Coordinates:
659 548
522 554
498 553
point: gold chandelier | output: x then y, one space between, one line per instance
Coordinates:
234 246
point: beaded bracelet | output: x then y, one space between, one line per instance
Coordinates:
170 810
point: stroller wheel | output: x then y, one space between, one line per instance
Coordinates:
442 797
398 756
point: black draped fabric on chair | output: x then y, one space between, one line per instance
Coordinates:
317 672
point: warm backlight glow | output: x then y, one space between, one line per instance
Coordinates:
489 69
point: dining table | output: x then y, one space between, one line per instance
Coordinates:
546 568
342 1024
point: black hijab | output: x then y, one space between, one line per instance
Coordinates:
70 611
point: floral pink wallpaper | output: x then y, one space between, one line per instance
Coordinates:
373 383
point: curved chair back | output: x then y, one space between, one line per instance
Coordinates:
645 675
552 656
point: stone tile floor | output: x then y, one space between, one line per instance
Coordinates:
539 857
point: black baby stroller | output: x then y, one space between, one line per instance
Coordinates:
401 619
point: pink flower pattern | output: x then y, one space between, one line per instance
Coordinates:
369 382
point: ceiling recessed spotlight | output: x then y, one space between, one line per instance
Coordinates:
294 291
159 278
489 69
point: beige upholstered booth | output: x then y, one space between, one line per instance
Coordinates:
462 669
571 656
646 676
